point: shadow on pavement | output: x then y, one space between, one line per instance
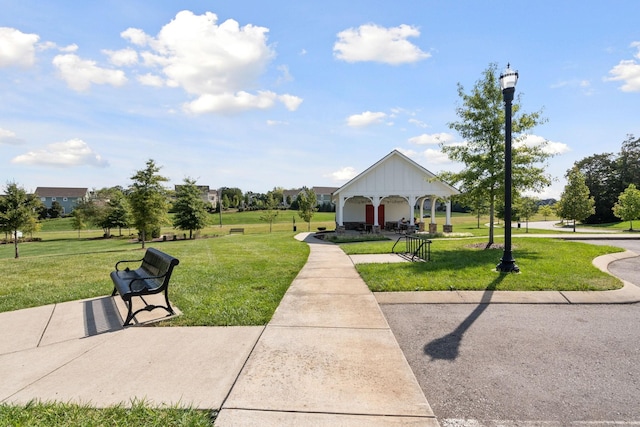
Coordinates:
101 315
448 346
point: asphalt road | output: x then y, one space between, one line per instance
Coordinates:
508 365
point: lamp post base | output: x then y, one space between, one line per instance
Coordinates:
508 266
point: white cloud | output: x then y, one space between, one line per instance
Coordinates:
286 74
432 139
549 147
80 74
231 102
371 42
290 102
276 123
584 85
216 63
51 45
627 71
418 123
151 80
9 137
73 152
17 48
344 174
365 119
136 36
429 156
122 57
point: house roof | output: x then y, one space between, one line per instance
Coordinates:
324 190
61 192
397 174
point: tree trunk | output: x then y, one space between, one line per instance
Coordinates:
15 243
491 218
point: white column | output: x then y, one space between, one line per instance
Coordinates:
433 209
412 212
340 211
448 222
421 202
376 203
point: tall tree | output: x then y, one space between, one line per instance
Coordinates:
602 177
190 209
628 206
575 202
148 199
307 205
481 125
17 210
629 162
119 212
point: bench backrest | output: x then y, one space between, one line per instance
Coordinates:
157 263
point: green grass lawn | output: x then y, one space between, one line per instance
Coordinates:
40 414
546 264
228 280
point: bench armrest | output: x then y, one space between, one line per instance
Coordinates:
127 261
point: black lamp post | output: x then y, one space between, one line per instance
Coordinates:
508 82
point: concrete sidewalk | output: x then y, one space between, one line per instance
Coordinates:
328 357
79 352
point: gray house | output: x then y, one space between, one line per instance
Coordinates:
66 196
323 194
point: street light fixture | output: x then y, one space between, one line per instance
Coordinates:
508 81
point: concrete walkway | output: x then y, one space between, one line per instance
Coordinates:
328 357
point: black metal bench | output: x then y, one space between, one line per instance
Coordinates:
151 277
236 230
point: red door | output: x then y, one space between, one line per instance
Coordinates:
369 219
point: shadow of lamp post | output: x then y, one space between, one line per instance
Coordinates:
508 81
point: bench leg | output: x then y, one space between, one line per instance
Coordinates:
130 313
166 298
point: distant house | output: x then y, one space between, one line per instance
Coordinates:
208 195
323 194
68 197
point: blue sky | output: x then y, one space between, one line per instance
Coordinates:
256 94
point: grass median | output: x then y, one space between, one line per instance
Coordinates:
463 264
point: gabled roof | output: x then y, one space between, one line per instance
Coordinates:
61 192
396 174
